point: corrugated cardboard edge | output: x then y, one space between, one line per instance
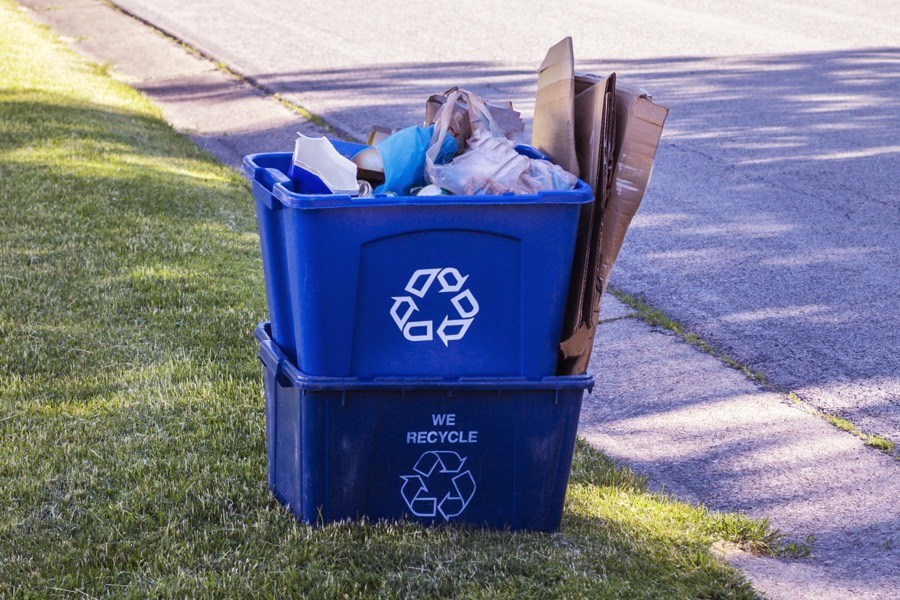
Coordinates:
595 143
639 125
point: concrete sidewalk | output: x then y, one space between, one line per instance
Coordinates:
707 433
700 429
227 117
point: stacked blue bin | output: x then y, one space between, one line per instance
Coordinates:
411 349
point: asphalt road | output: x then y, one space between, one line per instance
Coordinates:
770 227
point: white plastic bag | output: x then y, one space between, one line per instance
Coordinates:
490 164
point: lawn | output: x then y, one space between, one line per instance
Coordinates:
132 437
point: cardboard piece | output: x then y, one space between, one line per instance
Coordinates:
595 133
638 127
553 130
594 142
378 134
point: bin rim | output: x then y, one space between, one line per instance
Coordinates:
581 194
275 360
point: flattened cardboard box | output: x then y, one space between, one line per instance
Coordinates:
639 124
595 122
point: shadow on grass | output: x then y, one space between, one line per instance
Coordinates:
134 437
122 243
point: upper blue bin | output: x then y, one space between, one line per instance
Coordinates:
440 286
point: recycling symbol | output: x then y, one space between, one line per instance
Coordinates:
451 282
437 471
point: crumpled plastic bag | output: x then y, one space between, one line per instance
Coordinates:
403 156
509 120
490 164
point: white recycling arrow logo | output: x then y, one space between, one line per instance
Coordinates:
439 469
451 282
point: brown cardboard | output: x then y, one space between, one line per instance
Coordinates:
553 130
378 134
594 143
638 127
595 140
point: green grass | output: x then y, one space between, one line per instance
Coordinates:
880 443
798 549
657 318
875 441
132 439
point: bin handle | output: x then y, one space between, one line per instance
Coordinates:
276 362
289 372
268 177
270 354
279 362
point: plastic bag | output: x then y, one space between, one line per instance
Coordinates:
490 164
509 120
403 156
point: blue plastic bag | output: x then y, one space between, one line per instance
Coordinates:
403 155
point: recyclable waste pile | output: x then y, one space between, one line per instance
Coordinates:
466 147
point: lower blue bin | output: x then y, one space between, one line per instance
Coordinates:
433 286
489 452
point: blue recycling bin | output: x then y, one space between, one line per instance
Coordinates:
493 452
445 286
